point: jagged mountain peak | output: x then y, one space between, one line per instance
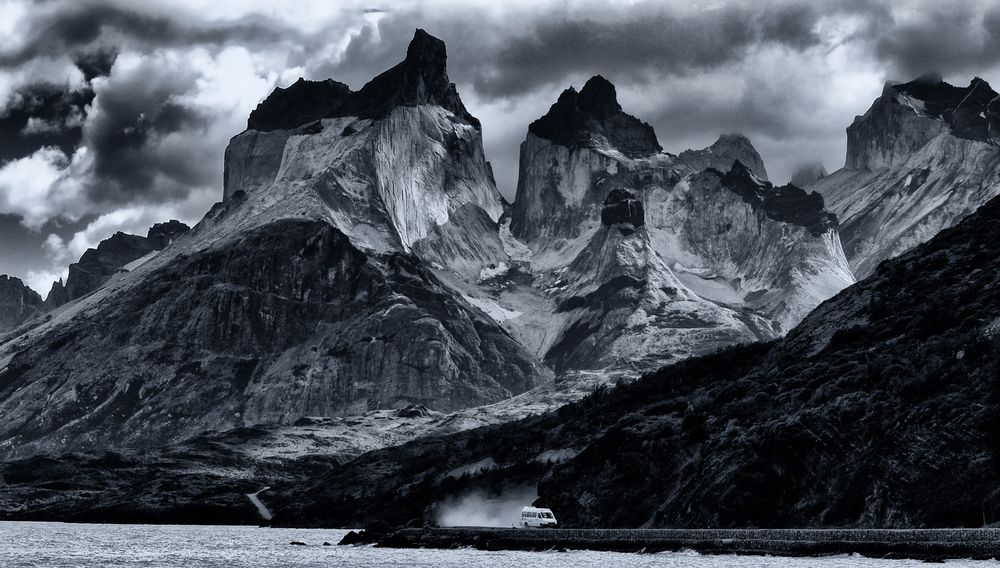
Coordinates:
420 79
301 102
921 158
599 97
97 265
740 173
971 112
909 115
427 53
162 234
787 203
592 118
736 138
723 153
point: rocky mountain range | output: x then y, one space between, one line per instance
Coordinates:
298 295
112 255
362 263
717 256
923 157
885 390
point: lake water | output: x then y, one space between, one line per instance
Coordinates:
92 546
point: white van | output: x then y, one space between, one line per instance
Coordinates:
534 517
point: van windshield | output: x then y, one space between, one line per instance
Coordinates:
545 515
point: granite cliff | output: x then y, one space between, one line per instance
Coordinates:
923 157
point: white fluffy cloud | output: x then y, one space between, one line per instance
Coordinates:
44 185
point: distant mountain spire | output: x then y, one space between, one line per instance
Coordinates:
420 79
592 118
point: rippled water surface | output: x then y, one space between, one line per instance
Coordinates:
75 545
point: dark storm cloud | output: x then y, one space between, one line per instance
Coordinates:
95 63
952 39
772 110
508 58
136 111
68 28
61 110
659 43
501 60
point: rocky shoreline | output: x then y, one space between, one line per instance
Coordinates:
920 544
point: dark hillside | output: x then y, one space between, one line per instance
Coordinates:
882 409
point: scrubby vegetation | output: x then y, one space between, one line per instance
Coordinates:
882 409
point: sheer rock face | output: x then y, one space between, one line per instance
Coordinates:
727 150
99 264
971 112
388 165
623 305
288 320
888 134
771 254
908 116
622 208
917 163
777 249
788 203
315 288
18 303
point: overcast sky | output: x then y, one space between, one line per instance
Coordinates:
114 115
